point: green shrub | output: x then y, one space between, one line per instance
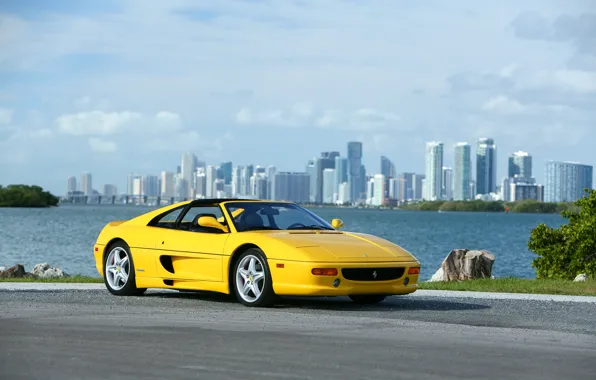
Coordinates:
569 250
26 196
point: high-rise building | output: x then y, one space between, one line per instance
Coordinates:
447 183
237 180
313 168
486 166
462 172
87 184
328 185
566 181
168 185
341 171
354 169
378 198
271 170
150 186
387 168
406 186
188 169
109 190
520 164
210 177
434 170
292 187
418 183
72 185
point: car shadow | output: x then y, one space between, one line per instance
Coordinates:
391 304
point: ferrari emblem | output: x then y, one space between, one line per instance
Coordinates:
365 255
374 274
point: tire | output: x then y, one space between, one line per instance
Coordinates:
366 299
113 271
250 292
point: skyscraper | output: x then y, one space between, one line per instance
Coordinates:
293 187
566 181
434 170
520 164
341 171
168 184
447 183
354 163
188 170
328 185
72 185
462 172
87 184
486 166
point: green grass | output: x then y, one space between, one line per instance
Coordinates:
517 285
500 285
77 279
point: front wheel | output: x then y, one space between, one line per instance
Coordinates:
252 279
119 271
366 299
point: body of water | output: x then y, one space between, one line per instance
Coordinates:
64 236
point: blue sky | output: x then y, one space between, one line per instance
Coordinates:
113 87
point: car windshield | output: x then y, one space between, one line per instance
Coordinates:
253 216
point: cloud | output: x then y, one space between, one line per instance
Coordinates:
96 123
578 29
163 77
304 115
102 146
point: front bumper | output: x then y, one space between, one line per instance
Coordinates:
296 278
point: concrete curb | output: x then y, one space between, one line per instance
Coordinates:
37 286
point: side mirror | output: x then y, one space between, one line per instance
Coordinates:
209 221
337 223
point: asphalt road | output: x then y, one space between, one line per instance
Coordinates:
93 335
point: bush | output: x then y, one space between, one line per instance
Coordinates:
569 250
26 196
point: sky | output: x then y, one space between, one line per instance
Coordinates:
119 86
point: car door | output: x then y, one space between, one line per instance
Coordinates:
190 252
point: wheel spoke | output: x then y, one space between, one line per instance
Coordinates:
246 288
258 276
255 289
252 265
124 261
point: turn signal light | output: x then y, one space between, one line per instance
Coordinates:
415 270
324 271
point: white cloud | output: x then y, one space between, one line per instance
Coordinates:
102 146
96 123
372 69
304 115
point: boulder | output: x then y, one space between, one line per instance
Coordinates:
465 264
17 271
581 278
46 271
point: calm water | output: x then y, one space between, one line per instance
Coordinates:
64 236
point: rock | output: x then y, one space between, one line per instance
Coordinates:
465 264
17 271
581 278
46 271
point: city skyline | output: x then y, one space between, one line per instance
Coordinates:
333 178
83 90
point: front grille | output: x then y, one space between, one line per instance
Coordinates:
372 274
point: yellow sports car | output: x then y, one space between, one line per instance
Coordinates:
254 249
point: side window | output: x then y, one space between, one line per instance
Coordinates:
190 220
167 220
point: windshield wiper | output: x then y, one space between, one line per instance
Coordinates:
311 227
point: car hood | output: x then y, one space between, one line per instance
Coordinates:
346 246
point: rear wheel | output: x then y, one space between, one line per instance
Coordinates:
367 299
252 279
119 271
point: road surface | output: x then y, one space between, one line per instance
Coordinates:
89 334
